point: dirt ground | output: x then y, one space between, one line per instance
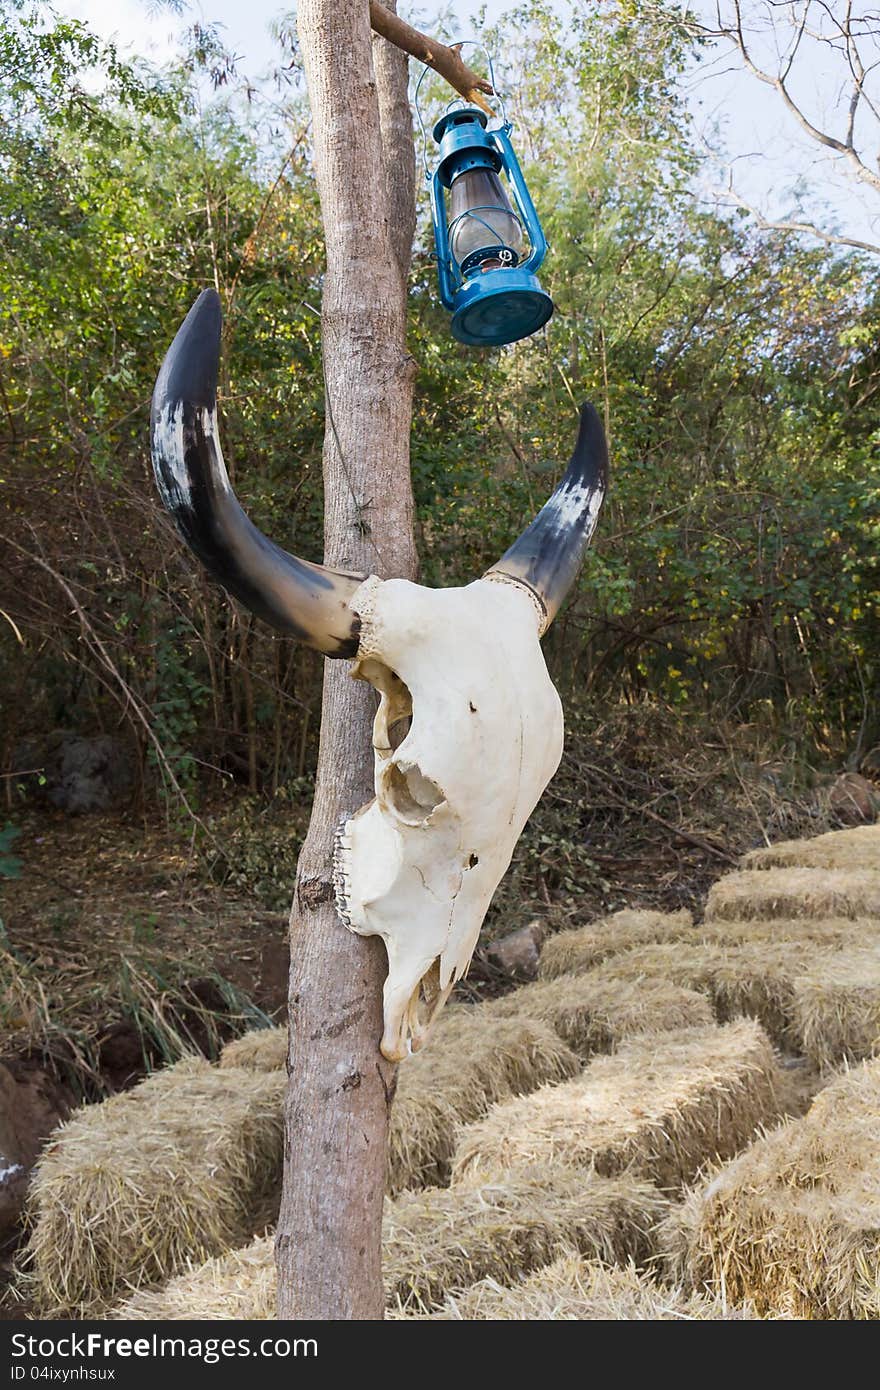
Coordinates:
111 927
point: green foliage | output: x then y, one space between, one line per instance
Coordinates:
254 847
735 567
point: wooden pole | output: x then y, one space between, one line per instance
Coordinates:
328 1248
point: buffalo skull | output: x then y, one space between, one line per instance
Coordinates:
459 670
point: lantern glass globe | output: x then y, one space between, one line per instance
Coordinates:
484 229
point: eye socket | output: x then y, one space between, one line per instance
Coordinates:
410 794
473 861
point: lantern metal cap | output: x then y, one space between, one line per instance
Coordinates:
465 143
500 307
461 115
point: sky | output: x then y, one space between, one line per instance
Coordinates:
774 165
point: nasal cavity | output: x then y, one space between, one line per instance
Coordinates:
410 794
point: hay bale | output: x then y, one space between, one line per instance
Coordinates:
593 1015
836 1008
439 1240
831 932
183 1166
858 848
662 1106
472 1060
263 1049
793 1224
509 1224
809 997
753 980
238 1284
572 952
794 892
190 1162
574 1289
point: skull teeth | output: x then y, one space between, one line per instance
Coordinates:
341 878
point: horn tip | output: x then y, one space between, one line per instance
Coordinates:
591 449
191 366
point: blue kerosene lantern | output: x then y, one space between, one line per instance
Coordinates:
492 293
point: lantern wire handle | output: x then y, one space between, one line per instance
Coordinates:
459 43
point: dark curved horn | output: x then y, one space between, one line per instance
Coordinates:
307 601
550 552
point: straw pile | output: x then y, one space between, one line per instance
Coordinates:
810 998
572 952
754 979
793 1224
593 1015
794 892
180 1168
831 932
575 1289
661 1106
239 1284
837 1008
471 1061
189 1163
445 1239
263 1049
858 848
441 1240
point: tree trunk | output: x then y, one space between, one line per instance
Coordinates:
328 1249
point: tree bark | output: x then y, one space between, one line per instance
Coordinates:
328 1249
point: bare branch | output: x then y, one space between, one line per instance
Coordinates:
789 225
448 62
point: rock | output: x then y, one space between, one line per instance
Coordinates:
517 953
32 1104
87 774
852 799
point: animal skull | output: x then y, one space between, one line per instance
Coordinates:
462 667
418 866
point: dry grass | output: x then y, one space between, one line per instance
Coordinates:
594 1015
263 1049
189 1163
572 952
238 1284
574 1289
794 892
472 1060
439 1241
661 1106
811 996
754 980
793 1224
837 1008
830 932
178 1169
858 848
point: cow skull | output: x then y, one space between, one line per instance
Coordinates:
459 673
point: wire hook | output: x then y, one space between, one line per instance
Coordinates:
459 43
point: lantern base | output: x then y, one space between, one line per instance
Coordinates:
498 307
